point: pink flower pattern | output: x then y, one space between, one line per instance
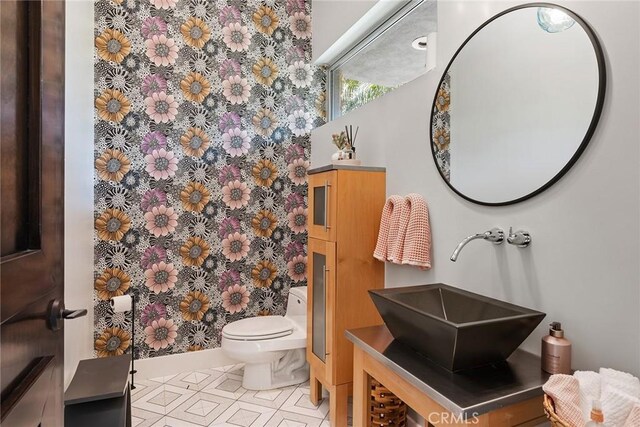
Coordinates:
153 198
300 25
153 83
161 164
235 246
241 122
236 142
153 141
236 194
229 68
161 108
153 26
164 4
298 171
161 333
228 121
235 298
236 36
236 90
162 50
229 278
297 268
161 220
228 15
228 226
293 250
161 277
152 255
153 312
298 220
228 173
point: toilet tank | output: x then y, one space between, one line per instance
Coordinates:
297 304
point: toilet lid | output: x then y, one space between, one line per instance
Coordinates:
258 328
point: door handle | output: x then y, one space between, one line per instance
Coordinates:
56 313
327 186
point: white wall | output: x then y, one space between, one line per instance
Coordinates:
341 15
78 218
582 267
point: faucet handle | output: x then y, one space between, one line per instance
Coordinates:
520 238
495 235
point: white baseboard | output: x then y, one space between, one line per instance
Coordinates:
173 364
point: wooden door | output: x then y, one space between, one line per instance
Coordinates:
322 205
320 302
31 209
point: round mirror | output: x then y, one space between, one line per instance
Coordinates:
517 104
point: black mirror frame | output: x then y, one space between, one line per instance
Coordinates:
602 82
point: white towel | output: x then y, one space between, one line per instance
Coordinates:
565 392
633 420
589 390
622 381
616 406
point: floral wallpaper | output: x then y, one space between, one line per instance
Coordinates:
441 127
203 113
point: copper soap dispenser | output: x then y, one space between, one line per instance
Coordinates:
556 351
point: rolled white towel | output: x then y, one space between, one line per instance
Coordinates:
589 390
622 381
616 406
633 420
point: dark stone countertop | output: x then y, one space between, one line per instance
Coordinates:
467 393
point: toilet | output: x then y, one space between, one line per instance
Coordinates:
271 347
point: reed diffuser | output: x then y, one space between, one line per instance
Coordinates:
345 141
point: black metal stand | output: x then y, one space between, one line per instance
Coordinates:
133 338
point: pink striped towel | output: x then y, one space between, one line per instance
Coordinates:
634 417
389 225
405 236
565 392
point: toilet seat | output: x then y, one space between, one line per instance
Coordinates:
258 328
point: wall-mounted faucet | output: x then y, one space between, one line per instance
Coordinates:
495 236
520 238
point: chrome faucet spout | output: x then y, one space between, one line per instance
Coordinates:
495 235
456 252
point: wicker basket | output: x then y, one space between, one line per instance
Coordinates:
386 408
550 410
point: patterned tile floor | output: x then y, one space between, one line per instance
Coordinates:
215 397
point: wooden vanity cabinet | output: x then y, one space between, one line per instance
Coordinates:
345 204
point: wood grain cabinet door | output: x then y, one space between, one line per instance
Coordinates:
323 189
31 209
320 302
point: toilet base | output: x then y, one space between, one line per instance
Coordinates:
291 369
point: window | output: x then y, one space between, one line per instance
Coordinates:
396 52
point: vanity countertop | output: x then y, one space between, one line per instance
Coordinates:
333 167
468 393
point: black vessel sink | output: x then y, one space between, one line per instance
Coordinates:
454 328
